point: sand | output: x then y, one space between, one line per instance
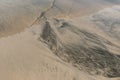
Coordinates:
24 57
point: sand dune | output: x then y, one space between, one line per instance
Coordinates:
23 57
59 40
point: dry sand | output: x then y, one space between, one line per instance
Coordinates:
24 57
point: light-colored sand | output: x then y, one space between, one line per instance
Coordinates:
22 57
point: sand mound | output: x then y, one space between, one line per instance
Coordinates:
58 45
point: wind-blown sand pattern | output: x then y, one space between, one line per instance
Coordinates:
59 40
